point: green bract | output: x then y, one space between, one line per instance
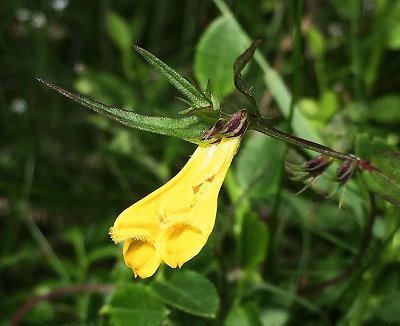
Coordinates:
190 128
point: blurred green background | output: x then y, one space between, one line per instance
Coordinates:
66 173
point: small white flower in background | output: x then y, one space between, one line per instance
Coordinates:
369 7
22 14
59 5
19 105
335 29
38 19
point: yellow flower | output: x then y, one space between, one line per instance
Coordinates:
173 223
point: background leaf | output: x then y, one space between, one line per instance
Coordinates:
393 26
367 146
120 31
383 178
256 168
216 52
190 292
385 109
254 242
237 317
385 181
135 303
275 83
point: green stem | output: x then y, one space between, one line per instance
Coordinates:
24 213
297 60
262 126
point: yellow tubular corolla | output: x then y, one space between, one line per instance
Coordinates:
173 223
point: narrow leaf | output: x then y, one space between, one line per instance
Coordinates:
238 66
195 96
189 128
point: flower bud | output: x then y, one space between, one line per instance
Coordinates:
310 169
317 165
214 131
346 169
237 124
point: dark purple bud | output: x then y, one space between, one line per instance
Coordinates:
310 169
214 131
317 165
237 124
346 169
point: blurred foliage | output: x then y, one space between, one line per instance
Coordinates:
66 173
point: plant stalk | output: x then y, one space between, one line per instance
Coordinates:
261 125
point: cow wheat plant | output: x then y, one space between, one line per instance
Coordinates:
234 236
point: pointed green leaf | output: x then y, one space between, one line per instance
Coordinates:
135 304
195 96
189 128
190 292
238 66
